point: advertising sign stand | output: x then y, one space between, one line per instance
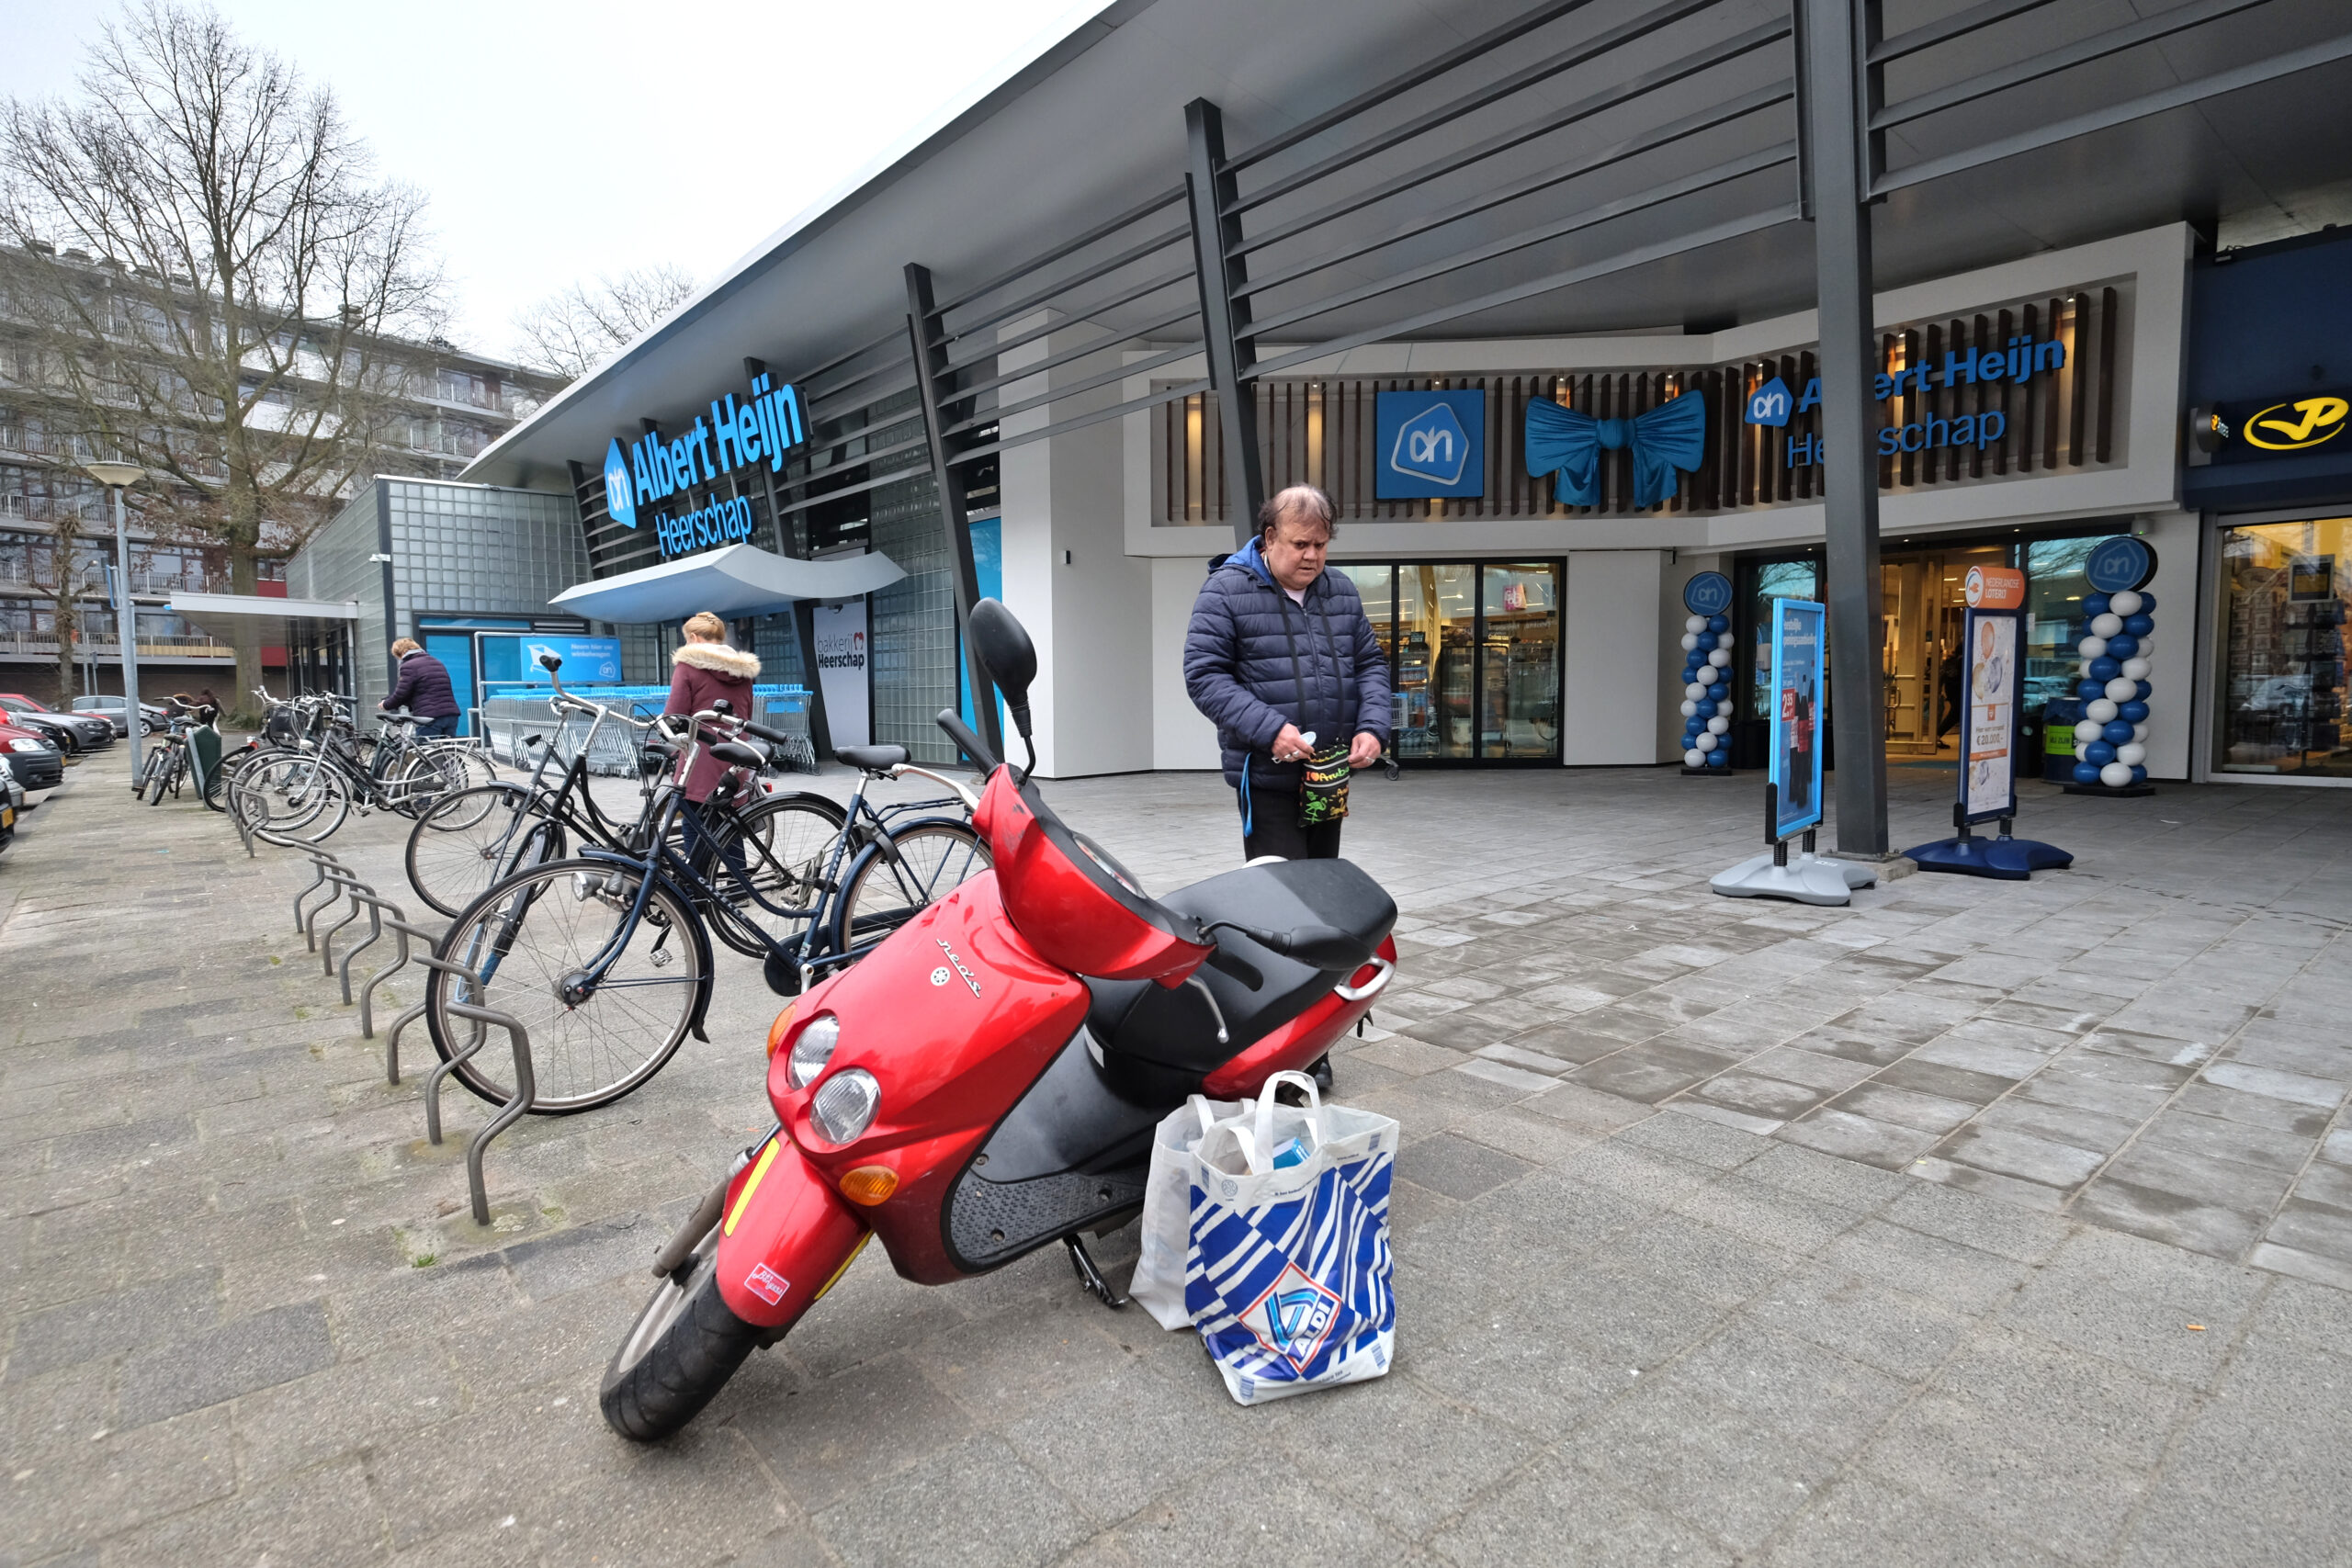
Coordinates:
1991 738
1793 794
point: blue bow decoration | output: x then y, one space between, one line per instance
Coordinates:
1671 435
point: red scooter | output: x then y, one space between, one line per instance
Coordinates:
987 1080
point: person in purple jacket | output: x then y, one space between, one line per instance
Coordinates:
1279 648
423 689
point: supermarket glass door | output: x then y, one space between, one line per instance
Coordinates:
1476 659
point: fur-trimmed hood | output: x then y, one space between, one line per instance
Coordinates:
720 660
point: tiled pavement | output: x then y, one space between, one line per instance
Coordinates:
1982 1223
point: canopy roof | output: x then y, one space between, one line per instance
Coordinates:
277 619
739 579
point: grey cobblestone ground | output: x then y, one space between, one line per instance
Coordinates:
1980 1222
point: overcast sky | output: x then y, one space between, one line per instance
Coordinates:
556 140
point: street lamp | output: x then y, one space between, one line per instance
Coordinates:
116 477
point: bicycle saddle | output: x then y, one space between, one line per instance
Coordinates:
873 759
398 715
745 756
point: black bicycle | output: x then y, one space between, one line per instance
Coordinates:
606 955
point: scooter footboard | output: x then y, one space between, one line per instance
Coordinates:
785 1239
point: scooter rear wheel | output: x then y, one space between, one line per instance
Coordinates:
678 1355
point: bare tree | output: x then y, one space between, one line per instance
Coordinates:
232 284
571 332
62 582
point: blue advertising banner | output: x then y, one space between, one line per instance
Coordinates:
587 660
1427 444
1793 758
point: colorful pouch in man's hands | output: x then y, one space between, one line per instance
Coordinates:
1323 786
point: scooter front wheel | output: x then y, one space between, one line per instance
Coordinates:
678 1355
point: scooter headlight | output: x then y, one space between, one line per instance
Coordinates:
812 1050
844 1108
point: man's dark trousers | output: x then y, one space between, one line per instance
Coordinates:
437 729
1272 829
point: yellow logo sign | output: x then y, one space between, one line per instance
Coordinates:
2313 419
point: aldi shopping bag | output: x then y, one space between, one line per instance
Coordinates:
1287 1274
1158 1285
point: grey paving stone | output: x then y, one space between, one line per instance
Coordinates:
2260 1468
978 1500
1883 1101
1862 1521
1554 1514
2131 1302
2201 1177
1409 1462
108 1326
1703 1462
2299 1088
1977 1221
220 1363
1757 1095
2059 1124
2020 1155
1217 1520
1651 1071
1945 1081
1457 1167
1848 1136
2322 1228
1908 1335
1818 1395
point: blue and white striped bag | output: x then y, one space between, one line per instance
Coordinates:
1287 1275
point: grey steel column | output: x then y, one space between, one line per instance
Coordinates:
1833 69
934 388
1209 189
126 630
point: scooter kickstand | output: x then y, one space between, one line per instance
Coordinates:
1090 1276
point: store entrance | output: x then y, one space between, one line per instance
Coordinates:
1920 609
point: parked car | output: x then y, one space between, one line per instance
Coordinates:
37 763
112 709
74 732
12 803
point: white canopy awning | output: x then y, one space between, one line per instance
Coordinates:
739 579
276 620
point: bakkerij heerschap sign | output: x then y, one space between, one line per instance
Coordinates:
652 469
2024 358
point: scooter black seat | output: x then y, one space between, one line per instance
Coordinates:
1150 1025
873 759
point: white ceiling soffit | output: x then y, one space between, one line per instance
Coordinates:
1096 122
739 579
222 615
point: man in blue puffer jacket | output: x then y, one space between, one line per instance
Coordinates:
1280 647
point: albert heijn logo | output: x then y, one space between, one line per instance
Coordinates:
1432 444
620 490
1295 1317
1770 403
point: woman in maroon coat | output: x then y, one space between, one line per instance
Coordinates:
706 670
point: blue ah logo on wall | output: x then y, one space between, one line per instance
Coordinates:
1429 445
620 491
1770 403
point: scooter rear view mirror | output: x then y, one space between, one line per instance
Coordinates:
1010 657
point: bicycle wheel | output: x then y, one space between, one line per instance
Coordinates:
766 863
294 795
886 888
467 841
421 778
526 943
167 777
148 773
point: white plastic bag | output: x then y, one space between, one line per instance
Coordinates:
1287 1268
1159 1283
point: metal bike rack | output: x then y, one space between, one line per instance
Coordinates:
525 1091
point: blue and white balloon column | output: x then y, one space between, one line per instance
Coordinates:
2111 739
1706 692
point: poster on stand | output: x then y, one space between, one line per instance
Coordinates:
841 667
1793 745
1989 779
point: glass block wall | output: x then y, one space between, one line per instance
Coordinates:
333 565
912 638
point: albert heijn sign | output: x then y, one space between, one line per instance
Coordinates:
655 470
2017 363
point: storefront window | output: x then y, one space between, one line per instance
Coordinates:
1773 579
1518 681
2284 595
1475 656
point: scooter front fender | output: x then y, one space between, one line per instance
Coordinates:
783 1237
